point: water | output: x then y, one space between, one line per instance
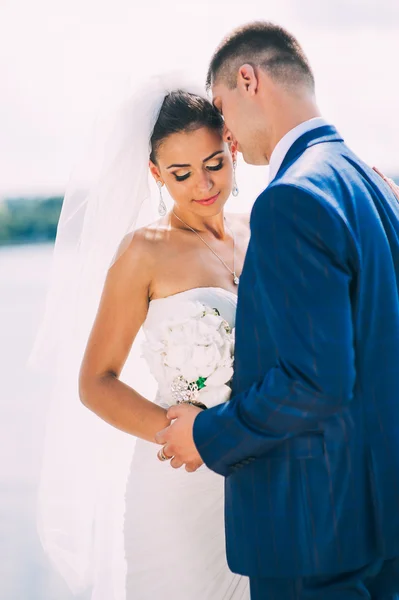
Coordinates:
25 573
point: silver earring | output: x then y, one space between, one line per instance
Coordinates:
161 206
235 190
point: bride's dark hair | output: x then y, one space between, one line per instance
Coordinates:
182 111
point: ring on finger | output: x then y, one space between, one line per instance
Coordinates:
162 456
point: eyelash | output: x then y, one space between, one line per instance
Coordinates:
184 177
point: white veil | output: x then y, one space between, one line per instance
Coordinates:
84 469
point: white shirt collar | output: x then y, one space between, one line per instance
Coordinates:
280 151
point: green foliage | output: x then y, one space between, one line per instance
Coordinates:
201 382
29 220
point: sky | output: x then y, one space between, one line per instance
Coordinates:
62 63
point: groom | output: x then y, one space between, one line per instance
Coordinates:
309 442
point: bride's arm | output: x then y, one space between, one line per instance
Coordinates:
122 310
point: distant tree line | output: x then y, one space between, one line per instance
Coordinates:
32 220
29 220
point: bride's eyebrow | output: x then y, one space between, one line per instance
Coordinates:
204 161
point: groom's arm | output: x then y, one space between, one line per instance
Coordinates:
303 255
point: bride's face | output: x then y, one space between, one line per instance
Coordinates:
196 167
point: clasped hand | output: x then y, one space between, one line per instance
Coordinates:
177 439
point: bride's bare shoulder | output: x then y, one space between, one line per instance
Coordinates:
144 242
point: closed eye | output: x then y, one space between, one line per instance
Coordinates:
217 167
181 177
210 168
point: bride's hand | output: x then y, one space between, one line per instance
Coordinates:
389 181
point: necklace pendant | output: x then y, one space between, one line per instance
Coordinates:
236 279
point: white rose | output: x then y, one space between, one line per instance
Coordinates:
212 321
205 358
176 355
219 377
227 353
214 395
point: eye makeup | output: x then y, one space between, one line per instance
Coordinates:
209 168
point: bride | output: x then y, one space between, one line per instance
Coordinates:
131 280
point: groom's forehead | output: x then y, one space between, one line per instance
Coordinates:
213 92
219 90
215 88
216 94
220 97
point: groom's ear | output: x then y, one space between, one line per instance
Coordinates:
247 79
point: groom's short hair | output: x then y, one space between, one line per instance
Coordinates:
265 45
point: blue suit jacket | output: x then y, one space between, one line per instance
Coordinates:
309 443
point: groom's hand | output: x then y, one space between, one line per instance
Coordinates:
389 181
177 439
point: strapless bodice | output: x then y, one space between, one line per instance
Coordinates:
162 309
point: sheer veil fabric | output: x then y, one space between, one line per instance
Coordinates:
86 460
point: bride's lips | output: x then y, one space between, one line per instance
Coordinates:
208 201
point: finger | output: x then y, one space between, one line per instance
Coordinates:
176 463
159 455
162 436
393 186
192 467
379 173
389 181
164 454
174 412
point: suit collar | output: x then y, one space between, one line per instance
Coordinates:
320 135
288 140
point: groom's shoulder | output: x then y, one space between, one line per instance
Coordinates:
314 166
314 173
299 188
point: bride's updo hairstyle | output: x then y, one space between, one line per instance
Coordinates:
183 112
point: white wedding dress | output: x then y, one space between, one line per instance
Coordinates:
174 521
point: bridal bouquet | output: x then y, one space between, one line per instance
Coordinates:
192 356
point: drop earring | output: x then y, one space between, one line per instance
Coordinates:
161 206
235 191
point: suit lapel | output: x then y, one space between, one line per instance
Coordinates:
320 135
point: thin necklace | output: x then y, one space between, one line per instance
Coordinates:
236 279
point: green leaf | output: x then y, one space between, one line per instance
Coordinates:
201 382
